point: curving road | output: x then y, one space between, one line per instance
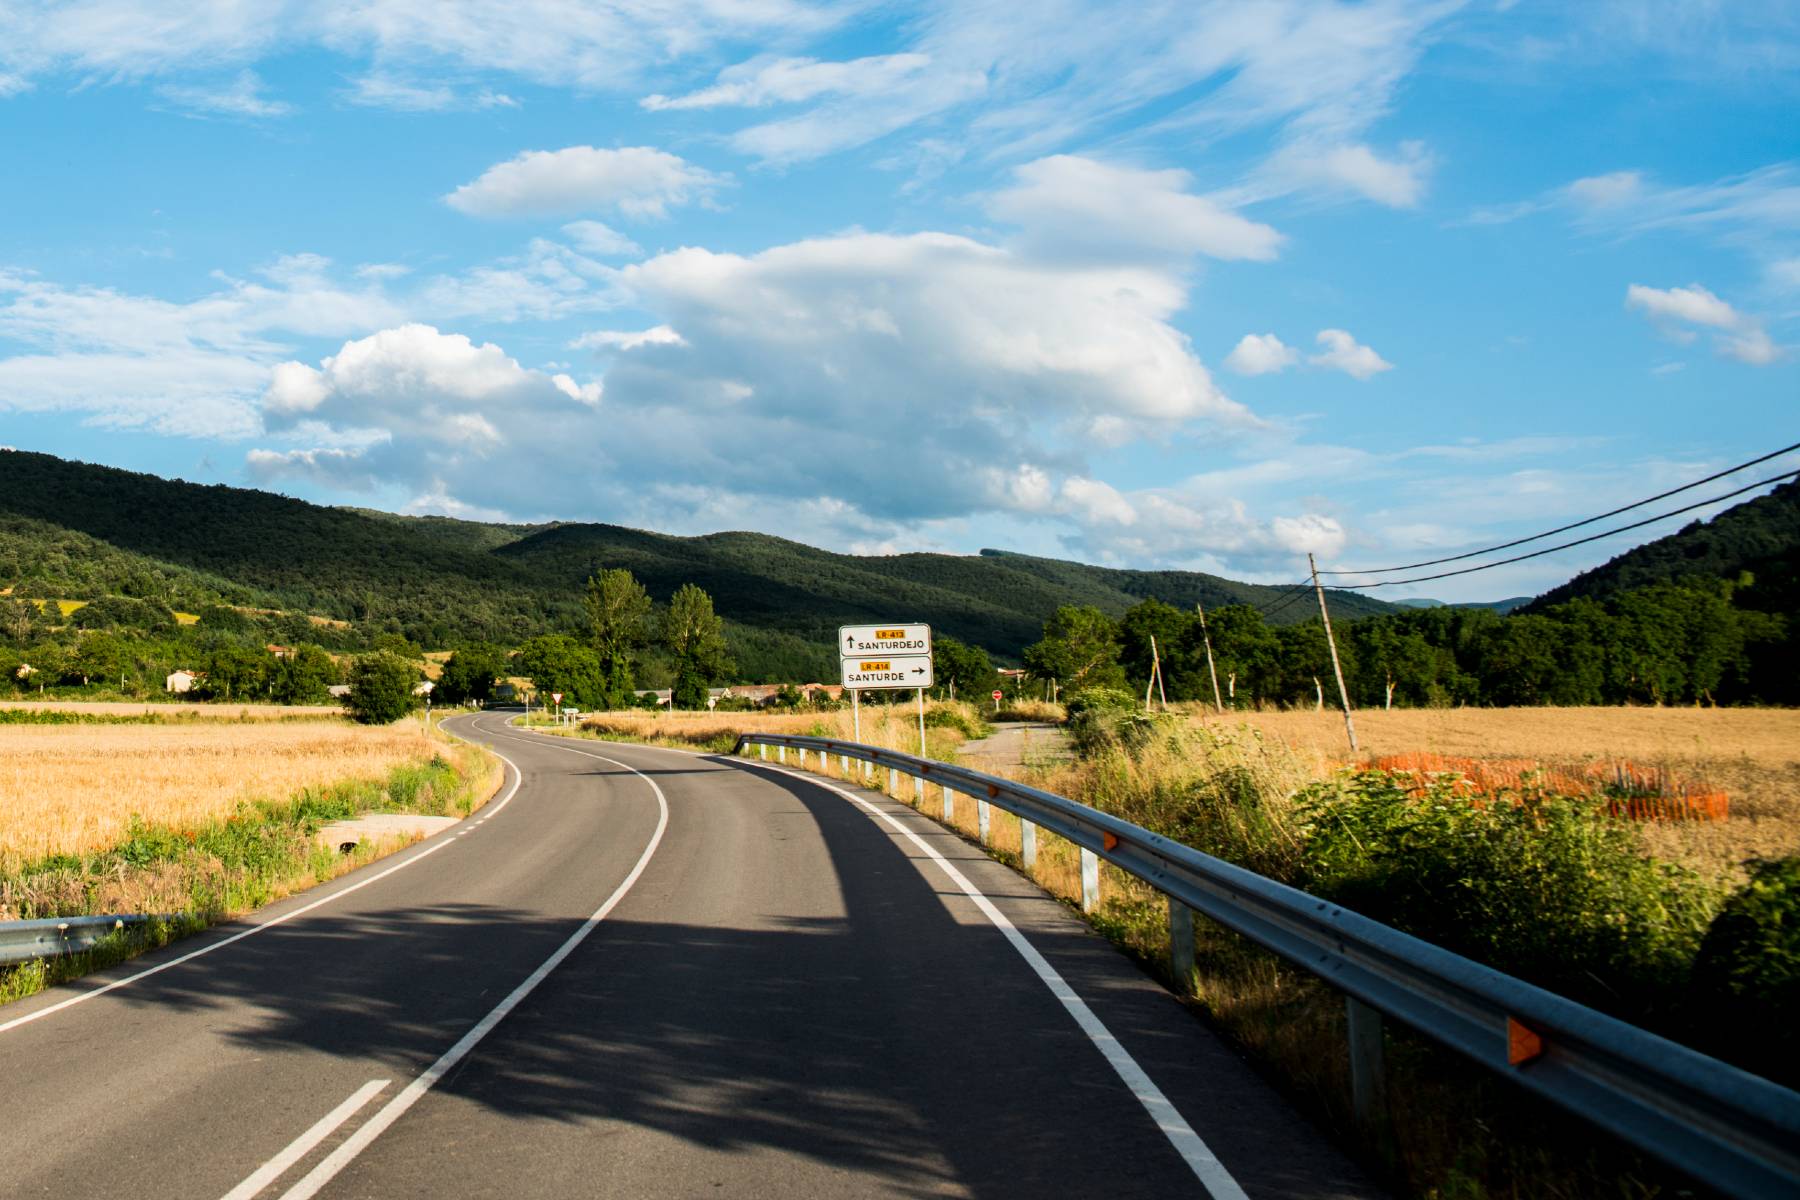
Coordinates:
641 972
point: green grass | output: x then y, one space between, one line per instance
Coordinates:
195 877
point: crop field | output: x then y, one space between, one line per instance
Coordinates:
74 789
1752 755
174 709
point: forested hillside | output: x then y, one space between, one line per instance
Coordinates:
1755 546
76 531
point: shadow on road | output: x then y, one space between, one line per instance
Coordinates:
899 1040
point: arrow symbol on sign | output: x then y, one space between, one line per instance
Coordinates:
918 670
849 640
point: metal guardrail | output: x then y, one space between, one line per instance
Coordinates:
22 941
1729 1129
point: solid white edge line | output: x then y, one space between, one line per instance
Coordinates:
366 1134
298 1149
431 848
1193 1150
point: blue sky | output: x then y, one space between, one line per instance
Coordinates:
1192 285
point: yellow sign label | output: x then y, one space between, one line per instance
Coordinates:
874 666
884 634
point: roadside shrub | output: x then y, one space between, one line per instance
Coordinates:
381 687
955 716
1747 974
1102 719
1541 886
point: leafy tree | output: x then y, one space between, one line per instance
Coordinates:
470 674
1080 649
556 662
219 618
304 677
962 670
381 688
19 619
1245 650
99 656
618 611
695 639
236 672
1170 628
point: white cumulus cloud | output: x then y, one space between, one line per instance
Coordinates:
638 181
1341 352
1069 204
615 339
1261 354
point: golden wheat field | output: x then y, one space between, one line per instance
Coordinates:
70 789
175 710
1750 754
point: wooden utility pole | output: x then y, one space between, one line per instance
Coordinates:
1155 678
1206 637
1336 667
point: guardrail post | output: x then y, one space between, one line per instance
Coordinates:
981 820
781 754
893 780
1027 843
1090 880
949 806
803 760
918 792
1368 1072
846 759
763 750
1181 946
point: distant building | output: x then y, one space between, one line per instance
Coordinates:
280 651
181 682
338 689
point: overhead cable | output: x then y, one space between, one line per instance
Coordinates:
1432 562
1577 542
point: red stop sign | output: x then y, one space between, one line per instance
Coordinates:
996 695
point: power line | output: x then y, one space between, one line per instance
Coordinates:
1286 598
1577 542
1432 562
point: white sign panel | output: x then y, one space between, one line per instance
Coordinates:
872 671
865 641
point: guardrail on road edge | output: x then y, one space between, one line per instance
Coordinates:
22 941
1726 1127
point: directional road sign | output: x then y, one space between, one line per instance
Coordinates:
866 640
871 672
884 656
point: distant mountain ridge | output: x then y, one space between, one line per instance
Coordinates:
1500 606
440 580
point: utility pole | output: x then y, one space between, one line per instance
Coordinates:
1212 670
1337 668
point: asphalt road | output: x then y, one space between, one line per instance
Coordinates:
643 973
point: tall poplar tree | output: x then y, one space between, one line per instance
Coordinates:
618 610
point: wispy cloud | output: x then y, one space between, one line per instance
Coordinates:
242 97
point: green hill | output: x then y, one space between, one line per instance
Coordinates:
79 530
1756 542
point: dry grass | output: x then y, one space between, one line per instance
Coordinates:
72 789
1750 754
893 726
172 708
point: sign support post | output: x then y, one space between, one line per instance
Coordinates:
855 715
